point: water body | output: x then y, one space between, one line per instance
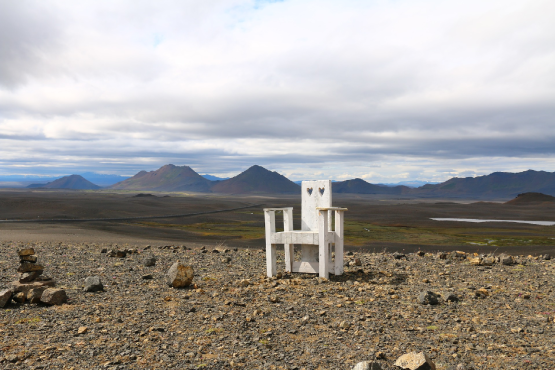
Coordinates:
542 223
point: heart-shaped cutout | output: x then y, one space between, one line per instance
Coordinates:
321 190
309 191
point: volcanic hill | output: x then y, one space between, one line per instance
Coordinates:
166 178
73 182
531 198
498 184
359 186
257 180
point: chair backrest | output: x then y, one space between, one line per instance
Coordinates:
314 194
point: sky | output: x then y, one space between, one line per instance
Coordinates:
387 91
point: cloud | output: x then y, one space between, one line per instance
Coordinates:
380 90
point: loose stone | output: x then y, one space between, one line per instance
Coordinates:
5 297
367 365
54 296
149 261
93 284
179 275
415 361
428 298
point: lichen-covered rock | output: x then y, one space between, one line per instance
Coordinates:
179 275
415 361
54 296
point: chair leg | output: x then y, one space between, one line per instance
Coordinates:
323 245
339 243
271 261
289 254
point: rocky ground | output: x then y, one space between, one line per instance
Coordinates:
234 317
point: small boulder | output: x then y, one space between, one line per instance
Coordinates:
29 267
19 297
54 296
5 297
367 365
428 297
179 275
475 261
415 361
451 298
34 295
16 286
31 258
93 284
27 277
399 256
149 261
506 260
26 252
488 261
546 256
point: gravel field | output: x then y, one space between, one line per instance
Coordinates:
232 316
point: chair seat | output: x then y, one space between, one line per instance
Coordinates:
299 237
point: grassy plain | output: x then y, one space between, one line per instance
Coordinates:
372 222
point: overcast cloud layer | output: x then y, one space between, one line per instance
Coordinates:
383 90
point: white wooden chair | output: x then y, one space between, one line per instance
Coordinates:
315 237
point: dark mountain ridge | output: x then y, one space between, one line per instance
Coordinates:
498 184
359 186
166 178
72 182
257 180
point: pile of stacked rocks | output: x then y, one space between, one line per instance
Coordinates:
31 286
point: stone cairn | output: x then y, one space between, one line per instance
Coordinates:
31 286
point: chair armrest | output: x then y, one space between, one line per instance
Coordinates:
331 209
278 209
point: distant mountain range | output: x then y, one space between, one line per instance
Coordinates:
73 182
258 180
498 184
255 180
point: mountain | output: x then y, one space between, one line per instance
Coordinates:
531 198
359 186
497 184
214 178
103 179
257 180
166 178
73 182
410 184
